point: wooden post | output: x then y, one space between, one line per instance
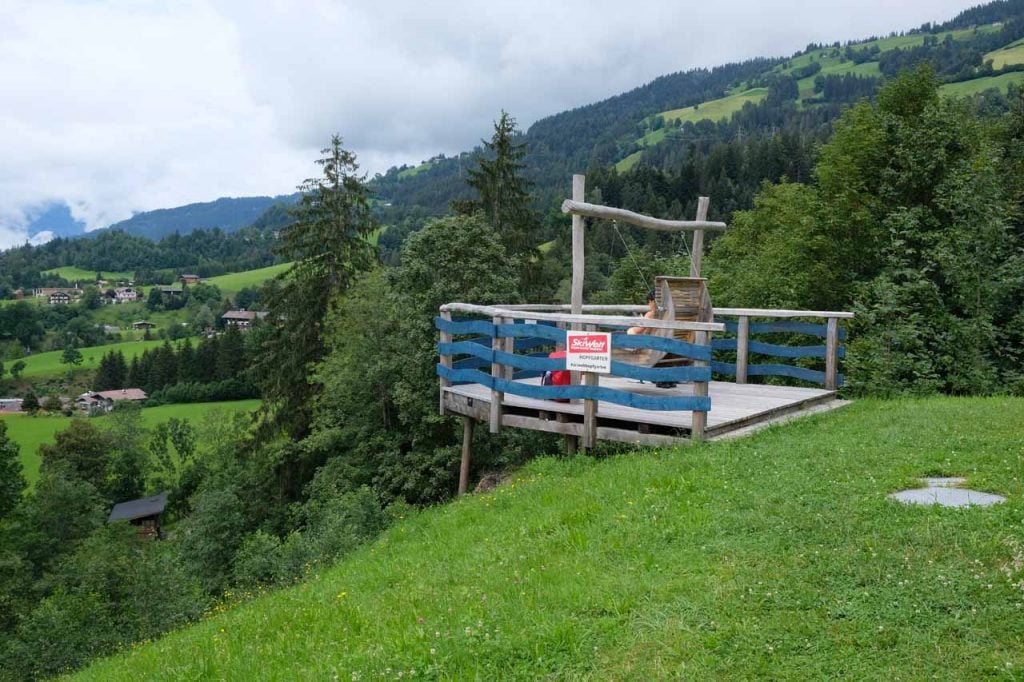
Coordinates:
509 346
831 354
497 396
578 261
467 447
590 413
570 440
742 348
697 253
700 389
578 192
446 361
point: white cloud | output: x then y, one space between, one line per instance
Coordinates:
121 106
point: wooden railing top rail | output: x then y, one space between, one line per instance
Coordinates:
633 309
769 312
606 320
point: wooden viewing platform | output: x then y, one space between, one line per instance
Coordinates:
737 408
660 379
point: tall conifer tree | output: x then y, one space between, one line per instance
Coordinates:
328 244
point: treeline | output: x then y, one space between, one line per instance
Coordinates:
212 370
911 220
204 252
25 326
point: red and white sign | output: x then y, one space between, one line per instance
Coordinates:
588 352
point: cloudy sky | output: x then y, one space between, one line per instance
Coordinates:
120 106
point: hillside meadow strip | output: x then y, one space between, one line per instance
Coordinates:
48 364
29 432
236 281
774 556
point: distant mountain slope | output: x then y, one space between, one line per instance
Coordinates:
685 114
229 214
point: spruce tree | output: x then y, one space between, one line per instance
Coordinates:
329 245
503 192
12 482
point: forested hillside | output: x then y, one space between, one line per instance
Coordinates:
766 117
227 214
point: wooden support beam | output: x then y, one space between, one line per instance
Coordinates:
769 312
580 208
446 361
697 252
742 348
578 194
467 450
590 413
831 354
570 440
497 371
577 321
578 260
700 389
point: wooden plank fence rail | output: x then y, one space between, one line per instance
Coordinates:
743 345
495 341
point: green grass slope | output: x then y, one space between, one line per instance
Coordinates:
49 364
1009 54
236 281
74 274
776 556
31 432
972 87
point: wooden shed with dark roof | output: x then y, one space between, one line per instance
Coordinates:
144 512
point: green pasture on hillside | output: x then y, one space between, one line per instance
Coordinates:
776 556
977 85
75 274
716 109
884 44
48 364
416 170
236 281
30 432
1011 54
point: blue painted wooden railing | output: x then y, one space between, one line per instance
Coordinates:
779 351
479 353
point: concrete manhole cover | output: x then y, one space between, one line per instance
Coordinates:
945 492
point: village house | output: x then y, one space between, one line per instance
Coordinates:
100 402
171 291
125 295
10 404
144 513
242 319
58 295
190 279
142 324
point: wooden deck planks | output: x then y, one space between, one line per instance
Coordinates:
733 406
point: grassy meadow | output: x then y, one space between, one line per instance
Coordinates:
717 109
49 364
75 274
972 87
236 281
30 432
1010 54
774 556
